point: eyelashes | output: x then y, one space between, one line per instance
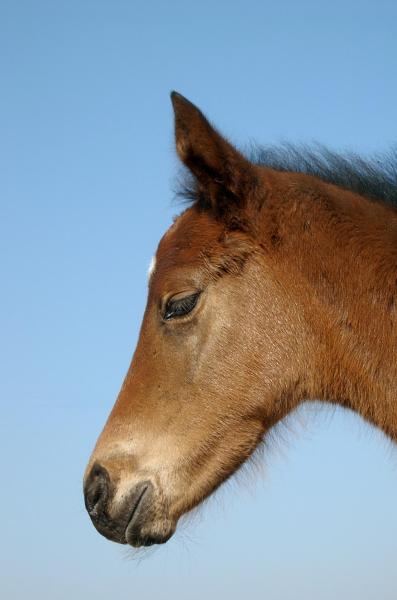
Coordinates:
179 307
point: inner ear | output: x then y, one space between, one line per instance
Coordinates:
223 175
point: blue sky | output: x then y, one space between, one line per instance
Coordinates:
86 177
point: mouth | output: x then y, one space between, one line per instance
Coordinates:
141 520
137 500
144 527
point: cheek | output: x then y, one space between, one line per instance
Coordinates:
191 353
210 345
240 340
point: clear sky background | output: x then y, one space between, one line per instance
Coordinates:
86 176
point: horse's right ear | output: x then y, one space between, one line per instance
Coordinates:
222 173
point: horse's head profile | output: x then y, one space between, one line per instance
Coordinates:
232 338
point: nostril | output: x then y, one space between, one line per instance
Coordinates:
96 491
96 497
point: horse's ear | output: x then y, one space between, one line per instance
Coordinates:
223 175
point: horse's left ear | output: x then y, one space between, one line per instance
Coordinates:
222 173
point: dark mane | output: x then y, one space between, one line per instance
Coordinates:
374 177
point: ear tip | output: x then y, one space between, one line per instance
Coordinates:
176 98
175 95
180 102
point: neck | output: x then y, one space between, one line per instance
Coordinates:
345 269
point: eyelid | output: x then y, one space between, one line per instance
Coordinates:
180 297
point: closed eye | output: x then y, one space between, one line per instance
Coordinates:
178 307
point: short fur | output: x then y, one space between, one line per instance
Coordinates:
294 267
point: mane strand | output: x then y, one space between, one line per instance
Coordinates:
373 177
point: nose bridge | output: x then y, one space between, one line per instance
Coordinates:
132 429
119 436
138 429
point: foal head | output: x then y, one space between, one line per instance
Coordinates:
222 353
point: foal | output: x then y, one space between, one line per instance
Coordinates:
272 288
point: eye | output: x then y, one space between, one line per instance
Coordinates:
179 306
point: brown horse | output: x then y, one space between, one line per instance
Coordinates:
277 285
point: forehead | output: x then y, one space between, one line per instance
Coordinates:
185 245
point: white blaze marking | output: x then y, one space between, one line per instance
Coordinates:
152 267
